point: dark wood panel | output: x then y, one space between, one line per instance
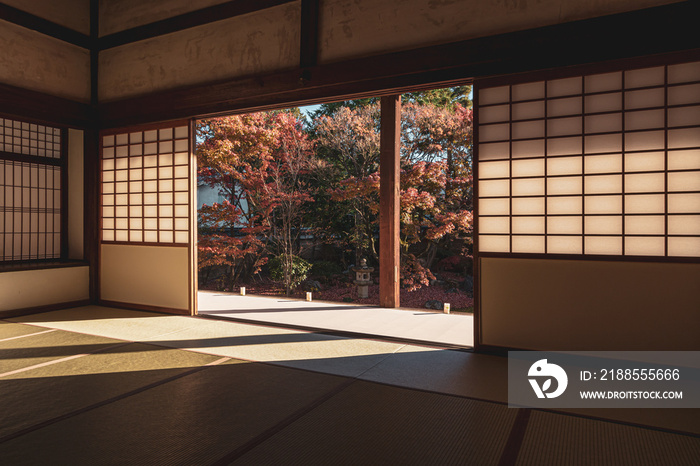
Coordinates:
595 40
143 307
309 33
39 107
186 21
91 196
389 199
43 26
39 309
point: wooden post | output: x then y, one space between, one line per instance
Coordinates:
389 207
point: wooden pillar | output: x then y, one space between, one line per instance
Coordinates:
389 206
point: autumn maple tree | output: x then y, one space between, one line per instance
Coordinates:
256 162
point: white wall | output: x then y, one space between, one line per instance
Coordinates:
32 288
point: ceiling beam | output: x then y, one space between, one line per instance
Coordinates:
185 21
43 26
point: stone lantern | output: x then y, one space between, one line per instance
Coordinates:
363 279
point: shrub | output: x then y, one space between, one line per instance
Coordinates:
298 273
324 270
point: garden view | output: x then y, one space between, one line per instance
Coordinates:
300 200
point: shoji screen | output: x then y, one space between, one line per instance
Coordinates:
146 232
596 164
588 165
32 162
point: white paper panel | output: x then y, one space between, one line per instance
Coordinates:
645 224
645 182
647 140
564 205
688 94
610 163
528 91
528 206
603 143
528 167
494 151
564 185
494 95
683 159
684 224
684 181
603 225
528 129
605 123
564 225
684 247
528 187
492 243
564 106
644 161
645 246
564 126
493 188
684 72
684 203
563 87
603 205
644 203
602 184
564 244
603 245
682 138
645 77
498 132
494 114
528 148
645 98
684 116
644 119
528 244
500 169
564 146
494 225
603 82
564 165
528 225
490 206
527 110
603 102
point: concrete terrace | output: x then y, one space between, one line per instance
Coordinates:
412 325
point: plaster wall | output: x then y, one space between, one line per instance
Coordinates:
255 43
119 15
73 14
542 304
75 193
145 275
37 62
32 288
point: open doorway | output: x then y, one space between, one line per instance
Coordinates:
289 207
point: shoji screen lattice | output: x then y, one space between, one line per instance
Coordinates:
31 164
596 164
145 182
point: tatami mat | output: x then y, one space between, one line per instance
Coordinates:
195 419
75 382
369 423
553 439
41 348
36 396
12 331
